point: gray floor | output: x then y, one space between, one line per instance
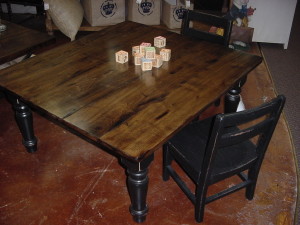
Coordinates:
284 66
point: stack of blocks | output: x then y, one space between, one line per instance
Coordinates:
145 55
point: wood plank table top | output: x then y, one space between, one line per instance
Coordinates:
17 41
117 105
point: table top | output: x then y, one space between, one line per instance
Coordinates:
17 40
117 105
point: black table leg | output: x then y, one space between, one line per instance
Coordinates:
232 98
25 122
137 184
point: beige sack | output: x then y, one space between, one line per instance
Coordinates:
67 15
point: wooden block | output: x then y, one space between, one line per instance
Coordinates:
159 41
166 54
121 56
138 58
220 31
143 45
149 52
146 64
135 49
157 61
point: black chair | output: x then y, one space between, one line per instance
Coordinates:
217 148
209 19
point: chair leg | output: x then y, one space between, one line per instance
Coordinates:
252 175
167 159
199 204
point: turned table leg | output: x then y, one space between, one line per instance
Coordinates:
137 184
24 120
232 98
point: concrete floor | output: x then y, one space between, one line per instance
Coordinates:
70 181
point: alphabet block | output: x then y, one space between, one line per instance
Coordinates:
159 41
138 58
166 54
149 52
121 56
146 64
143 45
135 49
157 61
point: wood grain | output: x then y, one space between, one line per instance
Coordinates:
17 41
117 105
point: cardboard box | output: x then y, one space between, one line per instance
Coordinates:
172 13
243 34
146 12
104 12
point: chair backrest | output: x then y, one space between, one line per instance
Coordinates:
195 24
257 124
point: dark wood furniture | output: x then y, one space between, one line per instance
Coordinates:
17 41
39 4
118 107
214 149
215 5
206 19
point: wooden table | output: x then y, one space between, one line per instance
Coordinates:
122 109
17 41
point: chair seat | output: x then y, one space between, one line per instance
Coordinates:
190 143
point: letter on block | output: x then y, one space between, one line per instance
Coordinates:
121 56
157 61
146 64
166 54
159 41
149 52
143 45
138 58
135 49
